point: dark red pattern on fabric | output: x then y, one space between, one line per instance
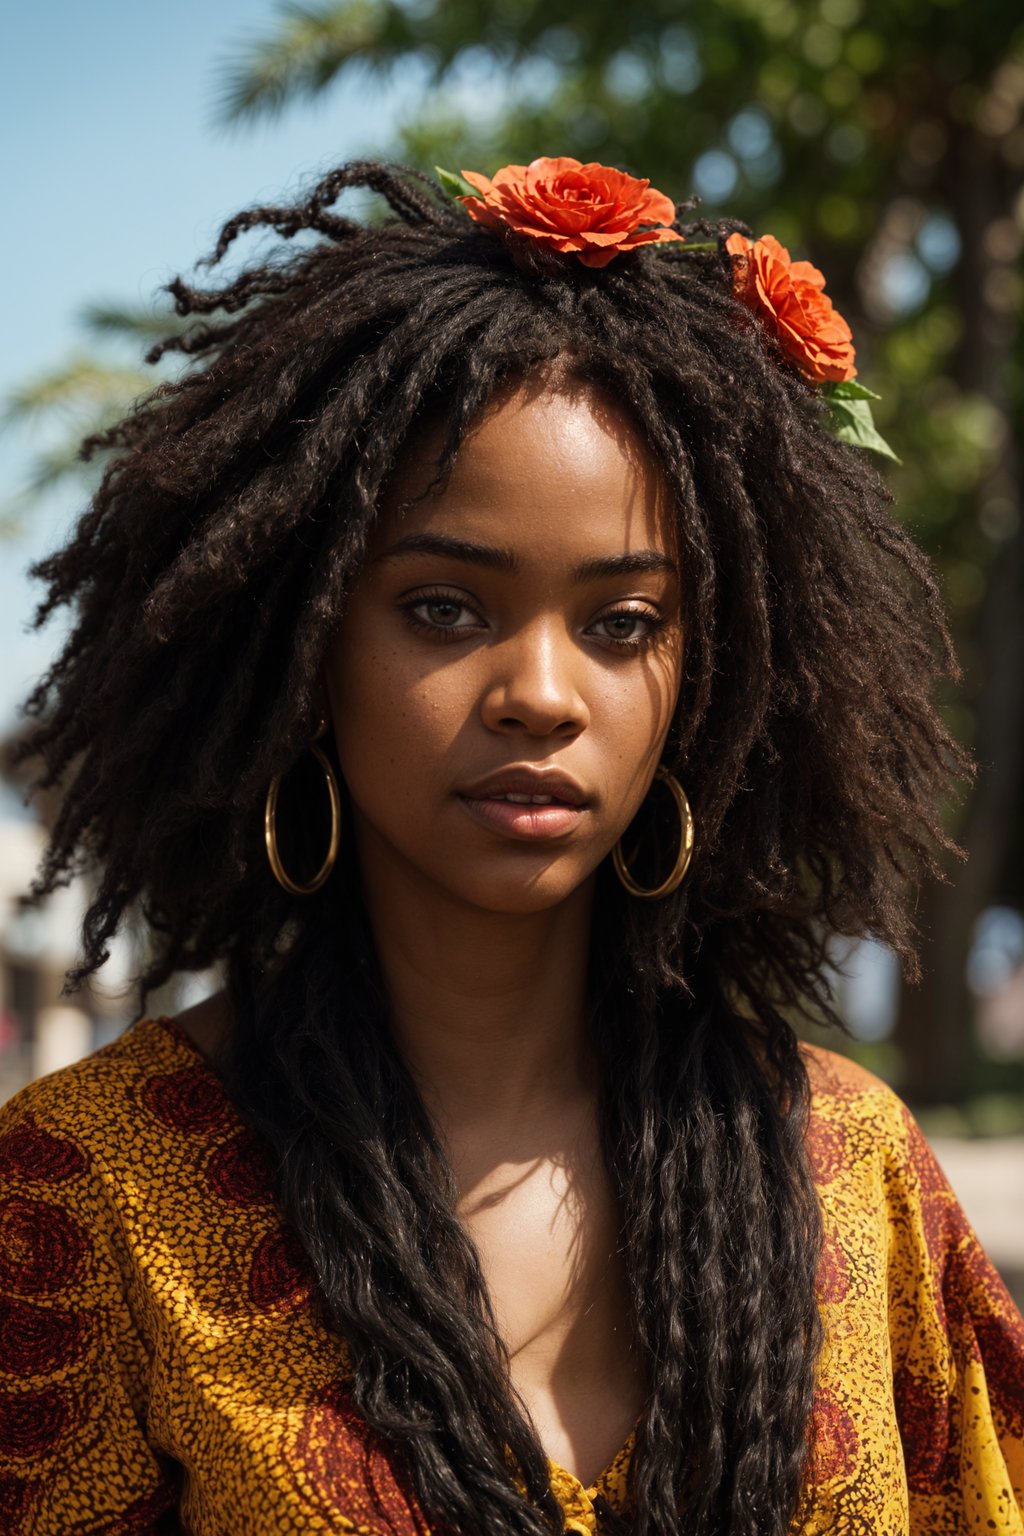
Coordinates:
31 1153
15 1499
989 1328
1001 1340
189 1100
946 1228
922 1159
350 1469
836 1445
42 1248
278 1273
238 1173
950 1242
32 1422
833 1273
38 1339
826 1148
926 1419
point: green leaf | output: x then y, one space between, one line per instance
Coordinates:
308 48
81 384
661 247
852 422
454 185
135 322
847 389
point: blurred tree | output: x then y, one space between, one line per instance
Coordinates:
883 142
89 391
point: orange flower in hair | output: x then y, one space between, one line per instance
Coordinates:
790 299
591 211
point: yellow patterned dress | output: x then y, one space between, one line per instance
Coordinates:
161 1369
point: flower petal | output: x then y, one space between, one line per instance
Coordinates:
592 210
509 174
804 272
476 180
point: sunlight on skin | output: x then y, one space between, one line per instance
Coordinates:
540 651
524 618
519 666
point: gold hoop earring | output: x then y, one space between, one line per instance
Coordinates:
685 853
270 824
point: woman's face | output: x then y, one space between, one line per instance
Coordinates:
508 663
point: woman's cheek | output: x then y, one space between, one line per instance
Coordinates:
394 729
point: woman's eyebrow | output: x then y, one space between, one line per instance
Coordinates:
635 562
451 549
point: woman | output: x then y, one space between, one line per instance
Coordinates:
490 654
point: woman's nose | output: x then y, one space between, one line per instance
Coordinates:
535 684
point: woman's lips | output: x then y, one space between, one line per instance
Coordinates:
524 819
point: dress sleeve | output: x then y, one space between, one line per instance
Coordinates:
73 1367
958 1357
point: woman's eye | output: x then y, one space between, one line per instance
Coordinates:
629 626
441 612
623 626
445 615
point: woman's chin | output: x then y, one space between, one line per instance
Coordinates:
520 897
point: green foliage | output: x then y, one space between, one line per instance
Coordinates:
455 186
306 51
991 1114
852 420
826 122
80 386
84 395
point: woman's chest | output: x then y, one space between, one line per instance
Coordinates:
547 1235
248 1393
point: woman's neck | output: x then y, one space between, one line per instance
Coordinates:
489 1009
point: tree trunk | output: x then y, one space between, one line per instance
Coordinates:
933 1026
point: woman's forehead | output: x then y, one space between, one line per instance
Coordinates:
539 461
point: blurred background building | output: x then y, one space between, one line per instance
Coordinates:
886 144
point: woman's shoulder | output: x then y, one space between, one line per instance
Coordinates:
842 1089
144 1091
837 1079
858 1121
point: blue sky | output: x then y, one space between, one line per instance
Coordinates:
114 180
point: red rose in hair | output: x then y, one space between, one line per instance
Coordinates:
592 211
788 296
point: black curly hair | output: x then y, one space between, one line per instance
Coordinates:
206 579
